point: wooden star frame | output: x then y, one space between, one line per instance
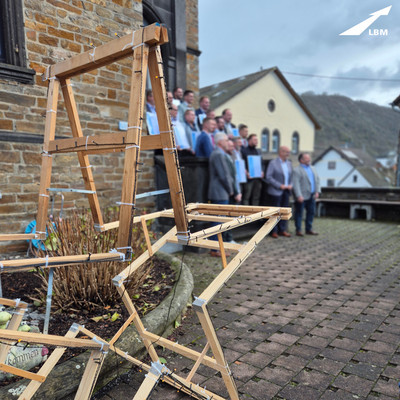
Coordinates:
144 46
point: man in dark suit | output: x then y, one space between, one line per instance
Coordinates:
279 180
306 188
222 184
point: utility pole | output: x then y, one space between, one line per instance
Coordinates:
396 103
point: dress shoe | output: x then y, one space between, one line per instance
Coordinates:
274 235
311 233
298 233
286 234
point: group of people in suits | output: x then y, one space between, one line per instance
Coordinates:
303 182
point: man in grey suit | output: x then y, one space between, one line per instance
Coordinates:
306 189
222 184
279 180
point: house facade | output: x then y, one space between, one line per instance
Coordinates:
268 105
348 168
37 33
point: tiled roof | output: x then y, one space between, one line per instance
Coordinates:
220 93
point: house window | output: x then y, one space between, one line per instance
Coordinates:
275 141
271 106
355 177
330 182
295 143
265 140
12 43
331 164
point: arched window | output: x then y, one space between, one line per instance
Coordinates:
265 140
295 143
276 139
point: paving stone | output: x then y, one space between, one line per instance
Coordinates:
272 348
371 357
314 379
290 362
339 394
299 392
388 387
243 371
259 390
327 365
337 354
279 376
353 384
257 359
367 371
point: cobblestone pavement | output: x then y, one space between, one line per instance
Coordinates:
315 317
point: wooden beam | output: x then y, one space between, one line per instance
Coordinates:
51 340
85 166
182 350
239 221
222 250
132 152
198 362
147 237
21 372
47 367
89 378
210 244
20 265
131 268
18 236
47 160
168 143
211 335
106 143
13 303
108 53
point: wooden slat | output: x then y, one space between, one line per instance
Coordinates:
46 368
150 381
210 244
216 348
22 373
13 325
239 221
90 375
198 362
18 236
132 154
19 265
13 303
222 250
182 350
50 340
87 174
137 322
107 53
170 156
106 143
45 174
130 269
147 237
237 261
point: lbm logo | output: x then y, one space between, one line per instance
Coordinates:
358 29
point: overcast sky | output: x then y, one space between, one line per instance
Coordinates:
237 37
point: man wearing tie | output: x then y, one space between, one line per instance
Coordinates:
279 180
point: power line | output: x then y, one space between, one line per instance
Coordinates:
341 77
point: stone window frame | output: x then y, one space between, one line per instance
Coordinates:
12 25
276 141
330 182
295 142
265 140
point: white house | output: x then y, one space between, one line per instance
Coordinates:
268 105
348 168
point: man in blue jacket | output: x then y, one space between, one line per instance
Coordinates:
205 141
